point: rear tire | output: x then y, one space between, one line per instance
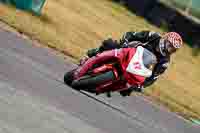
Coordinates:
89 82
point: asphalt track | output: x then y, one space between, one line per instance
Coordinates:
34 99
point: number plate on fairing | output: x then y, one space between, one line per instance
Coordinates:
141 62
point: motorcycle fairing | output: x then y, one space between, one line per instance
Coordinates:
136 65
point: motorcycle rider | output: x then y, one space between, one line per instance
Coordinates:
161 46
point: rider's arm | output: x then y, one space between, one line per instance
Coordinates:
149 81
143 36
107 44
159 69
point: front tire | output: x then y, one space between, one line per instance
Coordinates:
89 83
68 77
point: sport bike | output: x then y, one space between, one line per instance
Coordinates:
112 70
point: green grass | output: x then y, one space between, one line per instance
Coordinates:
72 27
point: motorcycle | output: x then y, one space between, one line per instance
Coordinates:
112 70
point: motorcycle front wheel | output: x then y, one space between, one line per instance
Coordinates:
90 82
68 77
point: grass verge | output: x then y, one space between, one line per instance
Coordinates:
72 27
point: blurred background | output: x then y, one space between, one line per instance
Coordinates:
190 7
171 15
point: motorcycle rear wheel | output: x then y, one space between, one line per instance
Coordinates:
89 82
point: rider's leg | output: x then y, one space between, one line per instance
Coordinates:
106 45
93 52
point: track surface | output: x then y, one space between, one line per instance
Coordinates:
33 98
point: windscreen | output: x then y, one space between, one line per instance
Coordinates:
149 59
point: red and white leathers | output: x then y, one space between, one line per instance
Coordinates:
123 56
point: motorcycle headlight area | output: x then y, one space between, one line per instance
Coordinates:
142 63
